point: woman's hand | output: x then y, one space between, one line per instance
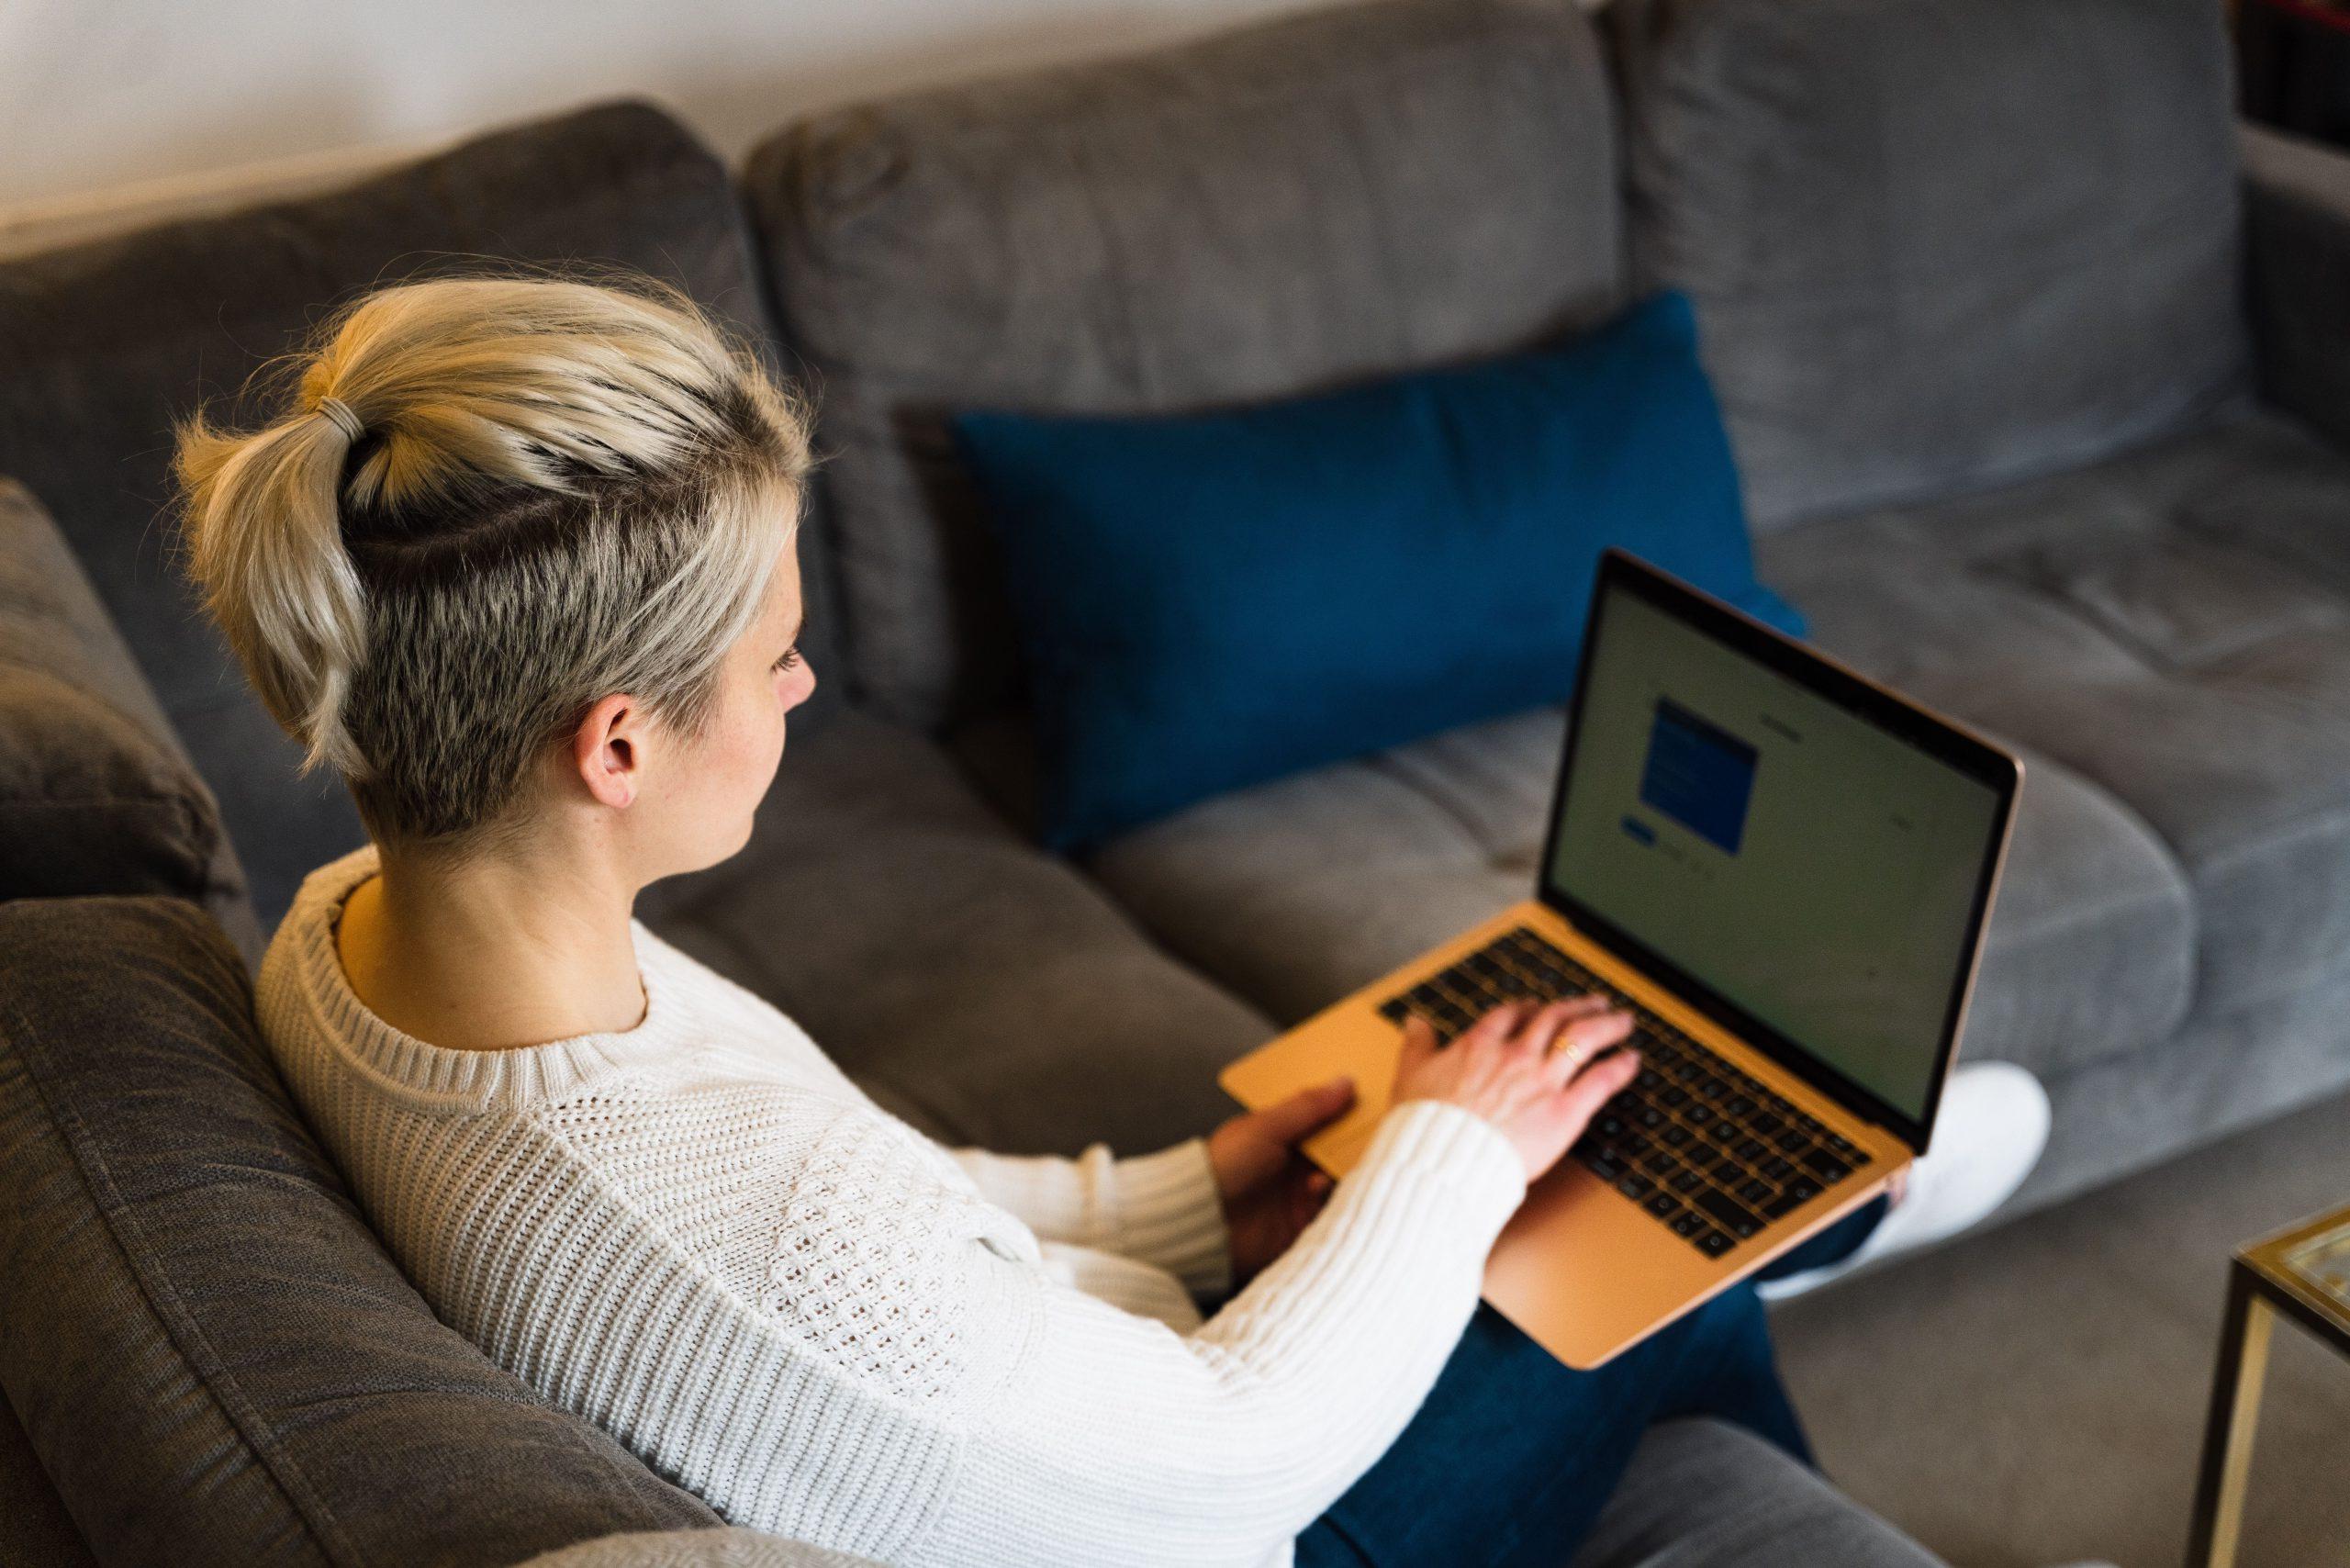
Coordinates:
1271 1190
1533 1072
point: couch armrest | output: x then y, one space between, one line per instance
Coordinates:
1701 1494
2297 235
97 794
697 1549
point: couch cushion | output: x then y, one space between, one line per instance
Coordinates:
2173 625
214 1358
1318 199
981 989
1939 243
1704 1493
96 795
1298 893
103 345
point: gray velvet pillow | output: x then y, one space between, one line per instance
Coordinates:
214 1358
95 794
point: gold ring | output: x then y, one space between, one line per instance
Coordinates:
1575 1055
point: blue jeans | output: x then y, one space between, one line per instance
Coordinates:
1512 1454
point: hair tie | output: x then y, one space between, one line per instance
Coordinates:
339 413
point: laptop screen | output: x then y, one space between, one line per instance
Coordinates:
1780 833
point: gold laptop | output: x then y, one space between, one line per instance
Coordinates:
1784 869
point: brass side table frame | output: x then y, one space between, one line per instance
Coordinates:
2264 1282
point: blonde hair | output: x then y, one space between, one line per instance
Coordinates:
490 501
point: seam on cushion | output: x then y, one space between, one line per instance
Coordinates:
1138 377
2276 833
1382 764
188 1338
2096 910
1350 122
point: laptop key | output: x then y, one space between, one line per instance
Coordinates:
1687 1183
1751 1150
1713 1243
1755 1191
1829 1168
1729 1214
1660 1164
1664 1205
1632 1184
1687 1223
1675 1135
1394 1009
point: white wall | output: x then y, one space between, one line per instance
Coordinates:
138 106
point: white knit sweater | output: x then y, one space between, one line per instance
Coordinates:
702 1235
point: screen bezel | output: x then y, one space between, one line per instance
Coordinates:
1620 571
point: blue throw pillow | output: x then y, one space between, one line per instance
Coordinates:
1210 600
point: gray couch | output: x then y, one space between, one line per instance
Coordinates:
2035 375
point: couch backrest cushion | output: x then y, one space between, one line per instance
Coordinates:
1938 245
213 1357
95 794
1347 192
103 345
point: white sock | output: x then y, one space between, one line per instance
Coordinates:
1990 1132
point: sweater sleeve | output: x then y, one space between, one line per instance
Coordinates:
1163 1209
1115 1438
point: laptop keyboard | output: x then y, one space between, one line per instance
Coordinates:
1710 1152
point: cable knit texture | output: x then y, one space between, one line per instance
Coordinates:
702 1235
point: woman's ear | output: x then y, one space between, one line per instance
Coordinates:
607 749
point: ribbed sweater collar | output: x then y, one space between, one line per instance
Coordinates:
460 1079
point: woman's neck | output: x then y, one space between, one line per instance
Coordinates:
493 952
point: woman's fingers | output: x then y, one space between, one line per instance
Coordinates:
1419 1044
1583 1041
1594 1086
1560 1026
1501 1023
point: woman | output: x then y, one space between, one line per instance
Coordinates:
517 562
